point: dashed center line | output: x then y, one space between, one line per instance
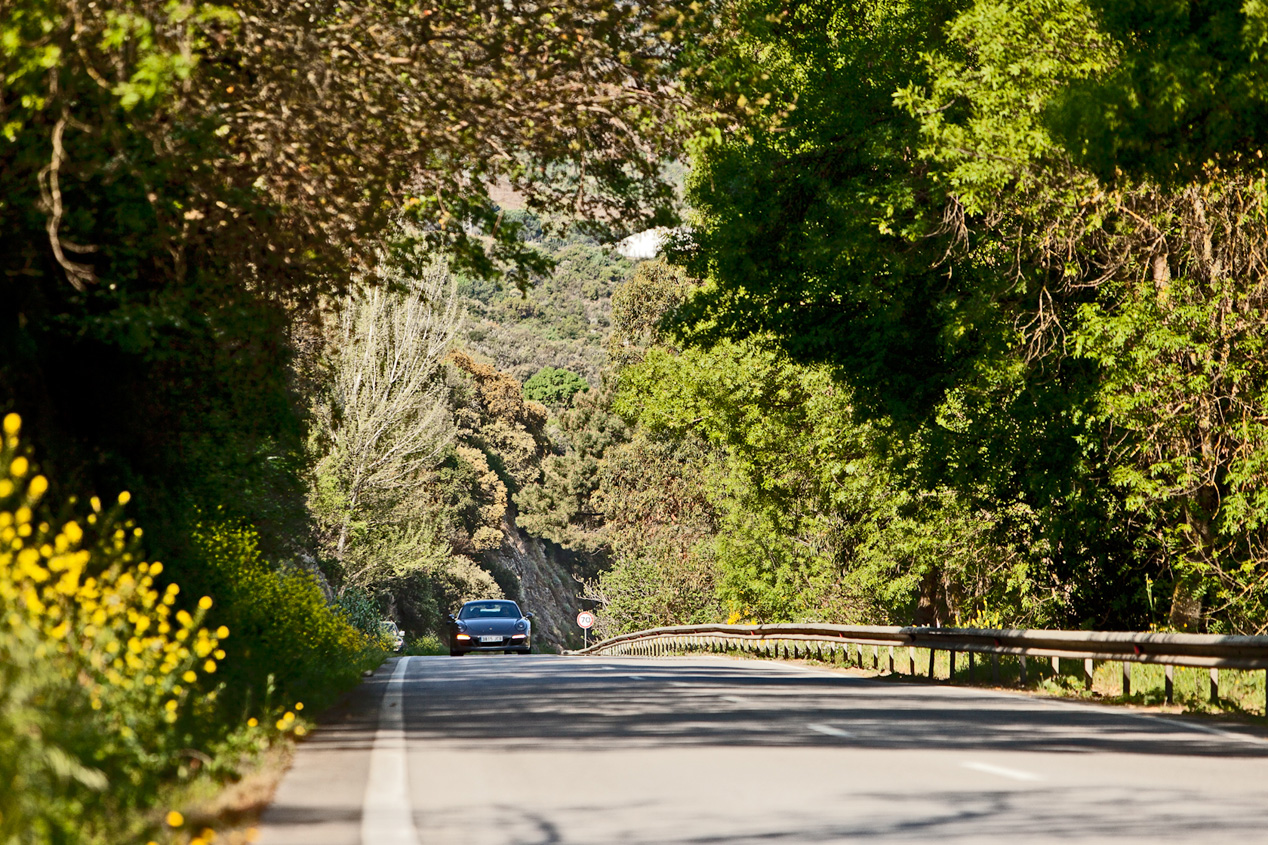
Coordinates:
988 768
829 730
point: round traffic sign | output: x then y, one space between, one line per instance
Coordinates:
585 619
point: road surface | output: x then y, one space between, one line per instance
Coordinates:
510 750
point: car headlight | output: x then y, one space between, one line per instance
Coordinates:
519 636
464 637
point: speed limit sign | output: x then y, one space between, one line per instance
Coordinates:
585 619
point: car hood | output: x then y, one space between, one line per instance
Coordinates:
505 627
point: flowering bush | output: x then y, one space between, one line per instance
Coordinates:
114 686
96 663
288 643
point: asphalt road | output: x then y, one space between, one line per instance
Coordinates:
710 751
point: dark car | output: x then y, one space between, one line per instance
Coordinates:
492 625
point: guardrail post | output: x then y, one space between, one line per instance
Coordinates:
931 656
951 669
1169 683
995 669
972 668
1056 665
1088 670
1127 678
1022 661
891 660
876 657
911 661
1215 685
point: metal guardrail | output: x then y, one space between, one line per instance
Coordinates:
1209 651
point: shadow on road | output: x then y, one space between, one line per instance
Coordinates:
537 702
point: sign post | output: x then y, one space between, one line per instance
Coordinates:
586 620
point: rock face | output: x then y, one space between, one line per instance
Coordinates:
546 586
643 245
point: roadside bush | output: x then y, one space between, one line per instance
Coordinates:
286 636
97 665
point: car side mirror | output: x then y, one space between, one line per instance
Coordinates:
451 617
528 615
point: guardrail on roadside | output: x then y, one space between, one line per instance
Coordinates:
829 642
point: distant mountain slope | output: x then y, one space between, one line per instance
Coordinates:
561 321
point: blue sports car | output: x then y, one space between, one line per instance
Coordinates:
491 625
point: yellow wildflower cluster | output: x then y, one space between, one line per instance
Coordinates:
87 605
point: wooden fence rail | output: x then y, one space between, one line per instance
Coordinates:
1208 651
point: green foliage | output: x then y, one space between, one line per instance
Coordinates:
288 637
1189 88
1025 237
426 646
552 386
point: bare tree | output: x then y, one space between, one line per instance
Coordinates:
385 417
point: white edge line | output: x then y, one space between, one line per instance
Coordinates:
386 816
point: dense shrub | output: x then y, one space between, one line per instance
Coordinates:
287 638
554 386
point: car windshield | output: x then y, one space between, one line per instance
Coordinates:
490 610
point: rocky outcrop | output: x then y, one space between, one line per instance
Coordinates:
546 586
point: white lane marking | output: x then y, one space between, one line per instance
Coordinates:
1015 774
637 678
734 699
829 730
1107 709
386 816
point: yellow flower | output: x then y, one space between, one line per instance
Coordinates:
205 602
189 677
209 667
125 497
175 819
252 722
19 467
37 487
222 632
300 730
12 425
299 705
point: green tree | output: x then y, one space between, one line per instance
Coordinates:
554 386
